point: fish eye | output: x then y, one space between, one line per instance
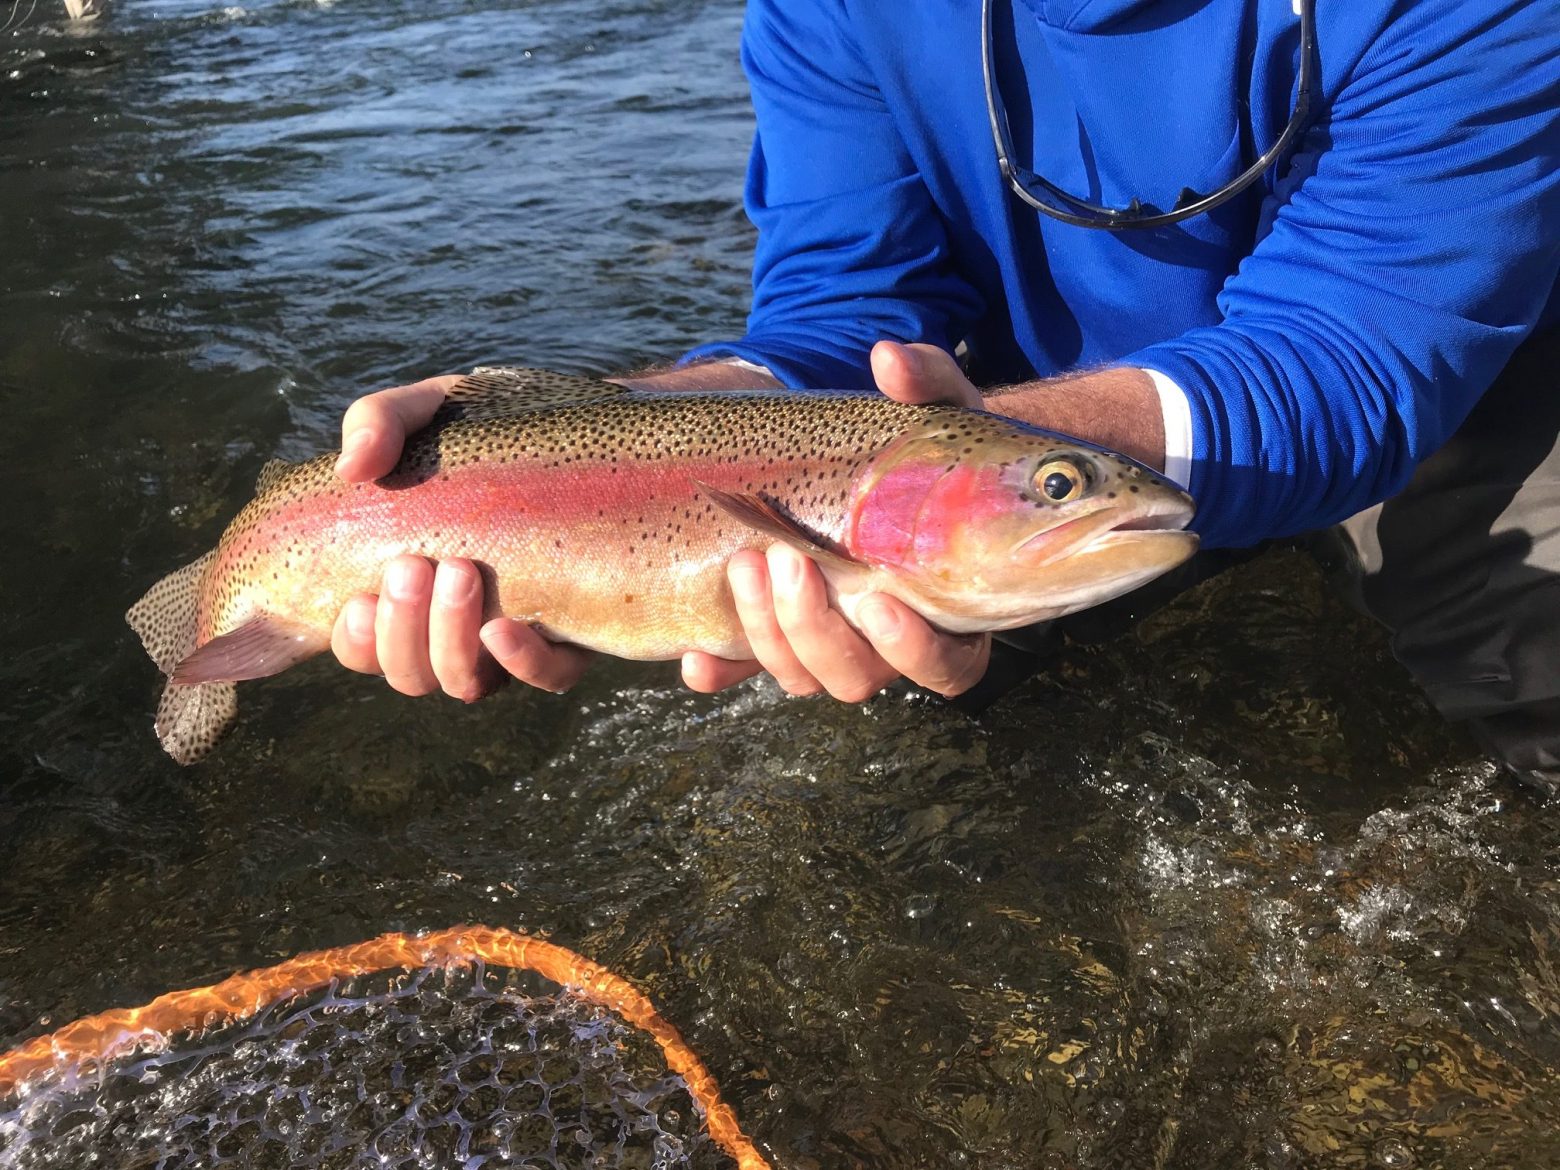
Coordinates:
1062 480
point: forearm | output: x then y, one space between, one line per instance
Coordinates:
1117 408
715 375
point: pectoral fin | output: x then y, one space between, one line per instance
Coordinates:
762 516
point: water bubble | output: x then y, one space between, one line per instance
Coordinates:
1279 1153
920 905
1393 1155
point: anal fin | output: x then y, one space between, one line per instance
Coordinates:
262 646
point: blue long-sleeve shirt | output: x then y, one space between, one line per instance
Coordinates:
1331 327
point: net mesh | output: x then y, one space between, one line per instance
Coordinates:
466 1058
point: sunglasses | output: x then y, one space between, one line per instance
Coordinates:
1049 199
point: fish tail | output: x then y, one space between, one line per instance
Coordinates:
190 719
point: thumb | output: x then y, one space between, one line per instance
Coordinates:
920 373
376 426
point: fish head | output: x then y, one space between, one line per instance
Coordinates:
987 523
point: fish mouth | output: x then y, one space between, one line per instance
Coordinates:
1159 520
1150 521
1171 516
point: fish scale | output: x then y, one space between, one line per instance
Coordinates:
606 518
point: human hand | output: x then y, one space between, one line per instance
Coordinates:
376 426
424 631
782 599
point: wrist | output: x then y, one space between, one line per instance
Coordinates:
1118 408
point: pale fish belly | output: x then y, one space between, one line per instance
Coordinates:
644 580
633 566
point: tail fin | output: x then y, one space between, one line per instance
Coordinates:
190 719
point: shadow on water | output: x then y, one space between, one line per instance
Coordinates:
1220 893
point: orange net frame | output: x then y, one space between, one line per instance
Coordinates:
100 1038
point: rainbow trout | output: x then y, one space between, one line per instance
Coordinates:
606 517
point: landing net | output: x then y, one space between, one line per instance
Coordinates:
466 1049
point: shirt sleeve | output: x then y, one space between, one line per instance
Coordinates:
1410 248
850 248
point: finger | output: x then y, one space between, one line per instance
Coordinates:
949 664
921 373
707 673
454 647
352 639
531 658
375 427
401 626
826 646
749 576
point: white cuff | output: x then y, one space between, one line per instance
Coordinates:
744 364
1177 412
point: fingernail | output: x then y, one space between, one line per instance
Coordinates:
785 565
360 619
878 619
453 586
747 583
499 637
402 579
356 441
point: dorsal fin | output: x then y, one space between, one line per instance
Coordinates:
504 391
273 470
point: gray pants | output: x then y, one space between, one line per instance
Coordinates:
1463 567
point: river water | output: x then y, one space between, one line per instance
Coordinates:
1221 892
